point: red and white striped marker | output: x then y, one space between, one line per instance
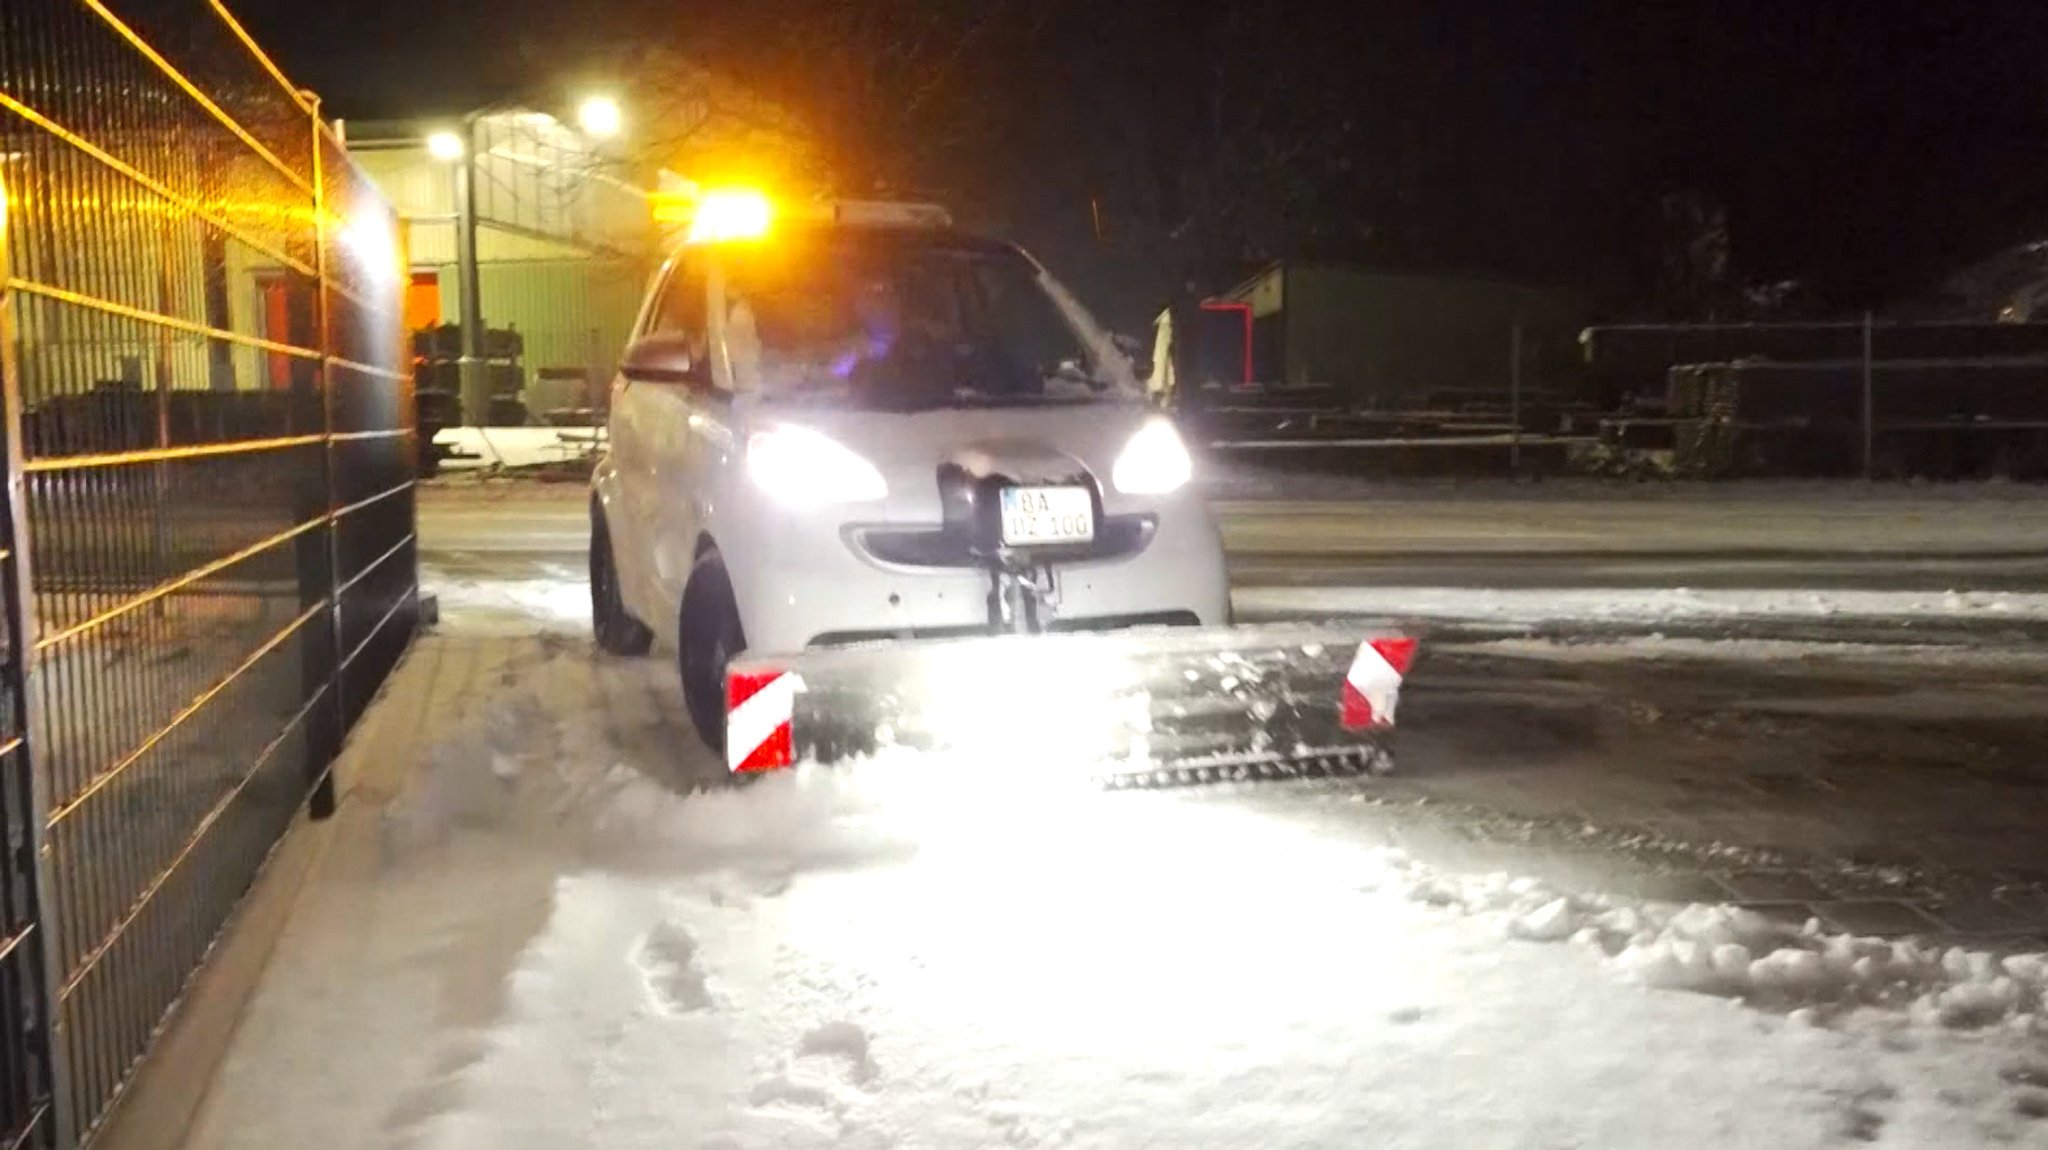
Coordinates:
760 711
1373 685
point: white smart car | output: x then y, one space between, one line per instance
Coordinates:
855 424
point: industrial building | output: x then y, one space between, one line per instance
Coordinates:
562 242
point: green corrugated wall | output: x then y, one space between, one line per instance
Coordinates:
571 313
1389 338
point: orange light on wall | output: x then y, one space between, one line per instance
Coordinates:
423 301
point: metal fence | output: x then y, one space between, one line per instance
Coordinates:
1879 399
207 538
1440 416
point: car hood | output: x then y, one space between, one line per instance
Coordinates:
1029 443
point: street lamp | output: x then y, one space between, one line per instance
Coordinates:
445 146
457 149
599 117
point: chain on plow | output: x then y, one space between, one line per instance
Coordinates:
1362 763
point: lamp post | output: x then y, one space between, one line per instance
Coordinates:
457 148
600 118
475 382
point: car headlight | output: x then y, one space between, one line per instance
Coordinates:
1154 462
805 469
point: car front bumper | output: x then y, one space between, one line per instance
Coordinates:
822 586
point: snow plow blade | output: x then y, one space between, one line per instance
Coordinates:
1131 708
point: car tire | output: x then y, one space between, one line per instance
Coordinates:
709 638
617 632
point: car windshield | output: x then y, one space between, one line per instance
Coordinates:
904 320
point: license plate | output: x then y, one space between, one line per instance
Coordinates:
1036 516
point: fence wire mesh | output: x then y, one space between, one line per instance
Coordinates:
208 532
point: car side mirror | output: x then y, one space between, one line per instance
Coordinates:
665 357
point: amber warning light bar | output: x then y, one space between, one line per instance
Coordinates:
736 214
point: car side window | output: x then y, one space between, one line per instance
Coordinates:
681 310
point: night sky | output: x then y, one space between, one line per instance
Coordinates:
1862 148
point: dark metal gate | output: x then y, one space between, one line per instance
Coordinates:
206 534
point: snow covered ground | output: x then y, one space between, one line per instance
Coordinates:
552 598
1506 536
1696 521
1656 647
1637 605
486 448
536 927
526 936
1237 480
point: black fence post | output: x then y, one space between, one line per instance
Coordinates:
35 1099
320 655
330 721
1869 398
1515 399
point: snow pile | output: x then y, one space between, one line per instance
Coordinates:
1172 973
1552 604
1739 953
531 763
479 447
558 602
1656 645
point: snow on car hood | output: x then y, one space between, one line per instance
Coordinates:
908 447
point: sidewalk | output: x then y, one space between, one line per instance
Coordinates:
394 902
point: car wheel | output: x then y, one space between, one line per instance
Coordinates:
710 637
618 633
